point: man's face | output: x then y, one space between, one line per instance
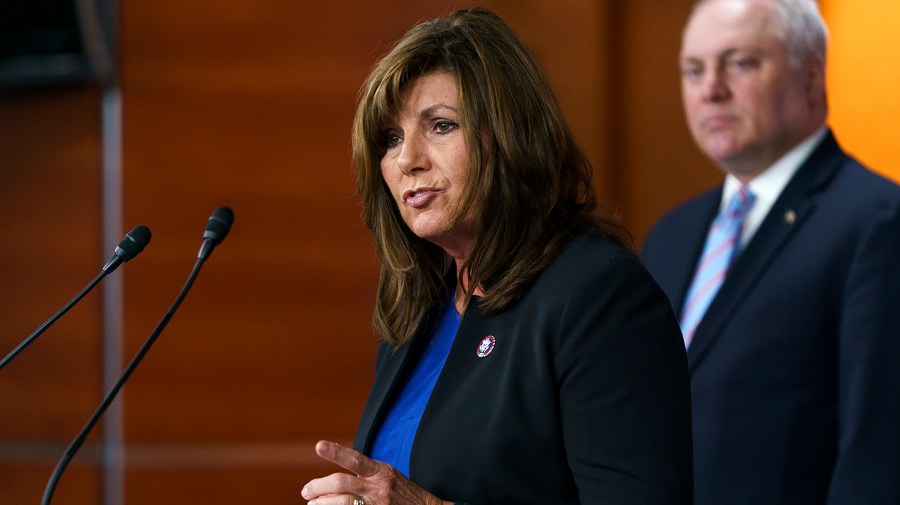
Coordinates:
745 104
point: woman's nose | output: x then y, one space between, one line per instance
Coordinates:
412 156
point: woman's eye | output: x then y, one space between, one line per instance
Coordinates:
444 126
391 140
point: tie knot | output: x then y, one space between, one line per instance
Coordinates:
740 203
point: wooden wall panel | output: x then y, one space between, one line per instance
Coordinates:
25 482
657 164
49 250
573 41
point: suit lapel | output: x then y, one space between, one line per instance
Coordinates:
792 208
688 246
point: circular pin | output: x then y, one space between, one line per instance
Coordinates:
790 216
485 346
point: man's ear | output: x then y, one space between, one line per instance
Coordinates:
814 80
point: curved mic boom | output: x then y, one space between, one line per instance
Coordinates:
216 229
131 245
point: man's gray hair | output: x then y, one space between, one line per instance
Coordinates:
801 27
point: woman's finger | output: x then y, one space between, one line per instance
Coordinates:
347 458
334 484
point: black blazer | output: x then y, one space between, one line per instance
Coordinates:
795 368
584 398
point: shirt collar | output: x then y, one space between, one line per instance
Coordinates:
768 185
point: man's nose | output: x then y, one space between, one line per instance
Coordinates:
714 87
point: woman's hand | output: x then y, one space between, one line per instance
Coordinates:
371 482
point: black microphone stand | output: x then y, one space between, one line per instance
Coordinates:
42 328
111 394
132 244
216 230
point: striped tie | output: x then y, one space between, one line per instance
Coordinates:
721 243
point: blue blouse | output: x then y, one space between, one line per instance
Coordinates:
393 442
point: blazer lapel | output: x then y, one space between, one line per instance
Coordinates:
390 367
791 209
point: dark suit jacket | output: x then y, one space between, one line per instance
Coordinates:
584 399
795 368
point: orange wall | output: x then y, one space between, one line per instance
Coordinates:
864 79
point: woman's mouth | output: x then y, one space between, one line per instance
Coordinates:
419 197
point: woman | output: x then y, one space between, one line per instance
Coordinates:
526 355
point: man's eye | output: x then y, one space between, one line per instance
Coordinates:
691 72
743 64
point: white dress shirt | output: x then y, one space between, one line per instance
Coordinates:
768 185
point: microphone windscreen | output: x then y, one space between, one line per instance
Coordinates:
219 224
134 242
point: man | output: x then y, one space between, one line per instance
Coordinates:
795 355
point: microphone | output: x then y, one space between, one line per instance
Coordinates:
131 245
216 229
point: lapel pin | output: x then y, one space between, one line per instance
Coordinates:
485 346
790 216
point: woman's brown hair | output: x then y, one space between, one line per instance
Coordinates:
530 180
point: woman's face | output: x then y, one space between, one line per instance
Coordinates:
426 165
